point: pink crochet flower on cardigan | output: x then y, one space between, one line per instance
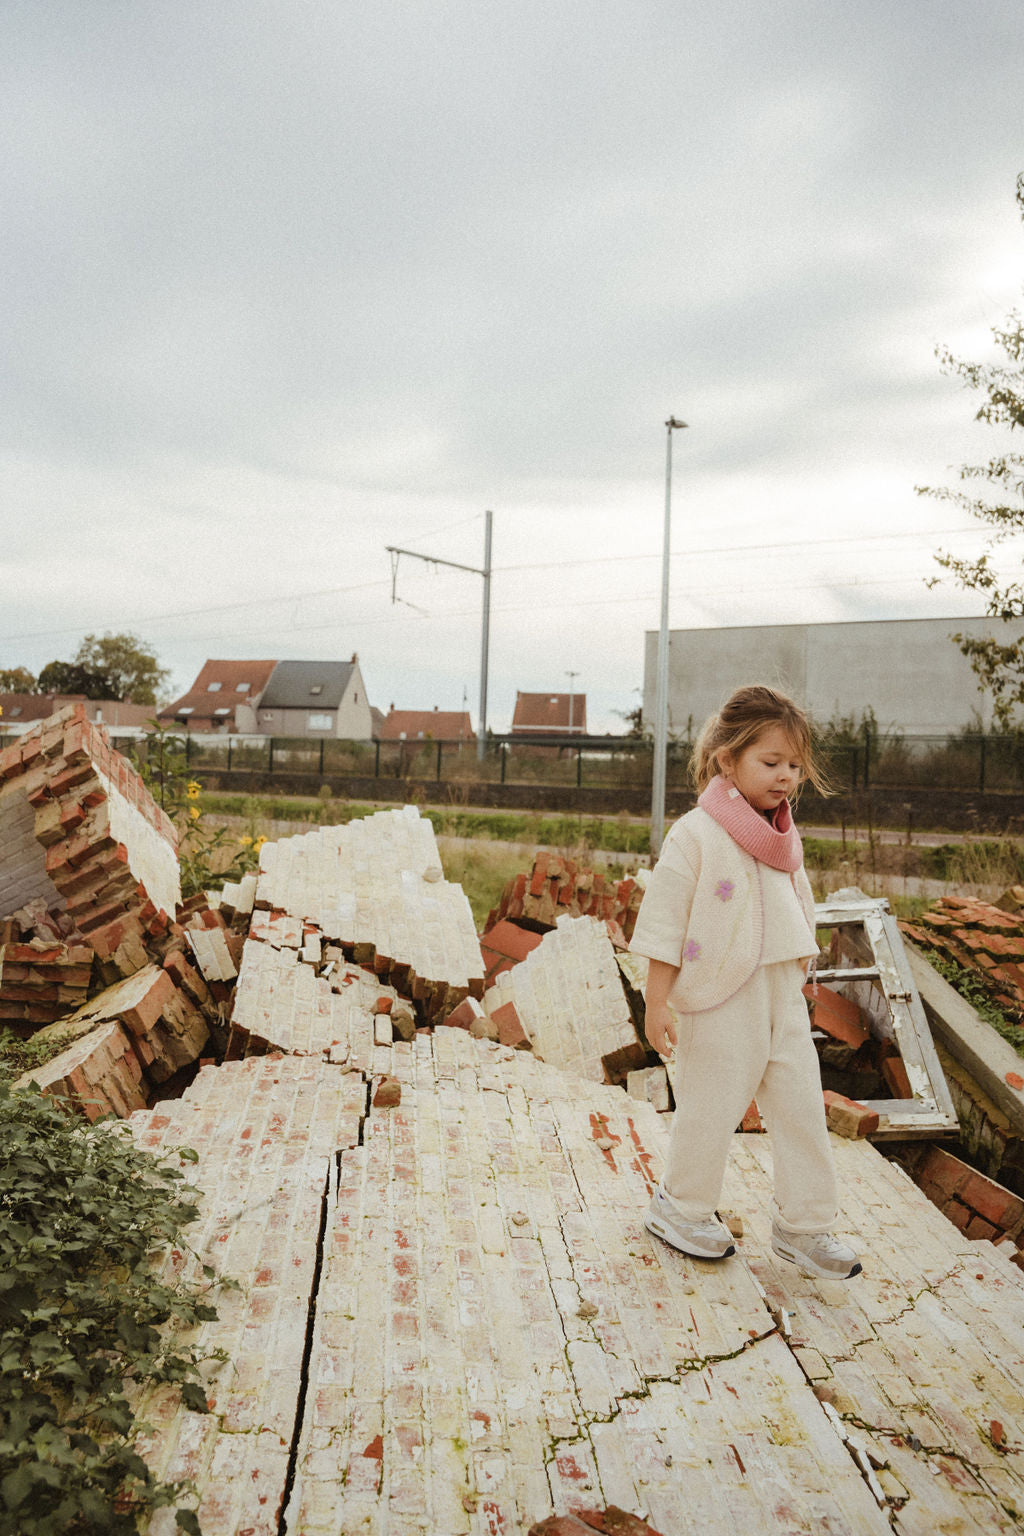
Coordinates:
692 950
724 890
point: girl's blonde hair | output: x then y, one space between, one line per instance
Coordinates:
745 716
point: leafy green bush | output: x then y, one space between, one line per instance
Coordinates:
973 989
86 1318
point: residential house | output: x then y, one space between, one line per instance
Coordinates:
316 698
19 711
447 725
550 714
222 698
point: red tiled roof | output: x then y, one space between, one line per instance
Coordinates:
202 701
19 707
424 724
550 712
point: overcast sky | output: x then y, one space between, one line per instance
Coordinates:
284 284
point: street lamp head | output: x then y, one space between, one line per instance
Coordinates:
673 423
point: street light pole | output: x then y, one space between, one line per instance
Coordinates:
572 676
658 776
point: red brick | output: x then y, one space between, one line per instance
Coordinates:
510 1031
389 1094
560 1525
942 1170
991 1200
895 1074
462 1016
752 1119
848 1118
836 1015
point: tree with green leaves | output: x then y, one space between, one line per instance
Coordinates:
108 667
998 661
17 680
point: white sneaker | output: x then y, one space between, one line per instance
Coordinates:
817 1252
703 1239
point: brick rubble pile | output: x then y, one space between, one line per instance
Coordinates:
95 946
981 938
555 886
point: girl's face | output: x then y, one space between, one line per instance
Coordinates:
766 772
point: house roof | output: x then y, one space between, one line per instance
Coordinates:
18 709
221 685
550 712
307 684
437 724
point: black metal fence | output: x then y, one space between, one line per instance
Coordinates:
967 761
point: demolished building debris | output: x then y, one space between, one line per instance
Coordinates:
450 1317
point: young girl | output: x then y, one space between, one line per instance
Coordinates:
727 923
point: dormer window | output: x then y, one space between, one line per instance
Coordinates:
316 688
213 687
242 687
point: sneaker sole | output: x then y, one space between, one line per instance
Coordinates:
660 1229
794 1256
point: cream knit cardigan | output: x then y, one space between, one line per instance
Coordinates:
703 911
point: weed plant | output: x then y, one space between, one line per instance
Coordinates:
973 989
87 1318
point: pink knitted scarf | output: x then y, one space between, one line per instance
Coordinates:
775 842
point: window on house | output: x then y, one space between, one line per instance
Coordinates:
315 722
242 687
316 688
213 687
222 711
16 710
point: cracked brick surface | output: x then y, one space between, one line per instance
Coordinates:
493 1336
284 1003
922 1356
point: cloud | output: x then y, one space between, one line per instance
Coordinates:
284 285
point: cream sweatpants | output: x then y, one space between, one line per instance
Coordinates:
757 1045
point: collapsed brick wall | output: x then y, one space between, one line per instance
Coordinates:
374 889
92 953
101 855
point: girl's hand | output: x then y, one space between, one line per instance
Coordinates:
660 1028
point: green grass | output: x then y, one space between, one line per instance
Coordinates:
973 990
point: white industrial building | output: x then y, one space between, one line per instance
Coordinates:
909 672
